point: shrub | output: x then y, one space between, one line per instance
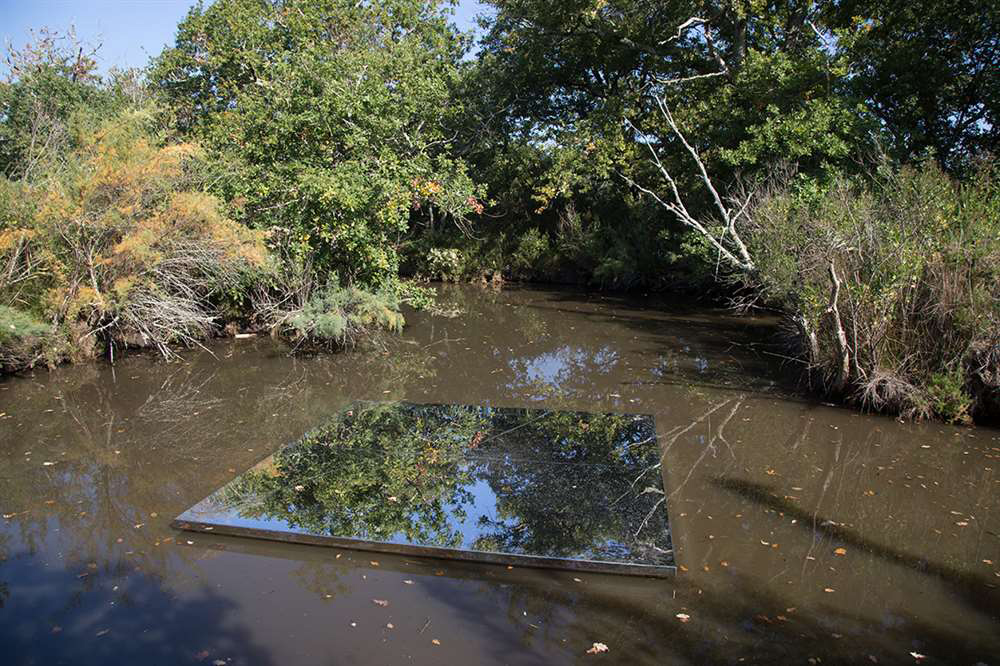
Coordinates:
343 316
532 247
23 339
122 241
448 264
893 284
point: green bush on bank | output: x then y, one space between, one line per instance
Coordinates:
339 316
914 326
23 339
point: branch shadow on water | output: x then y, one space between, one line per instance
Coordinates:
977 592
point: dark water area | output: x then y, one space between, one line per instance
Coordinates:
801 532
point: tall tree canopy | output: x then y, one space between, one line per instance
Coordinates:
930 72
329 120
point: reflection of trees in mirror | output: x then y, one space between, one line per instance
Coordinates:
374 472
556 484
575 505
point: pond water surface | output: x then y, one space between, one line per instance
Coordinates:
801 532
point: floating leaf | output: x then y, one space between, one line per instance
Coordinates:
597 648
683 617
840 551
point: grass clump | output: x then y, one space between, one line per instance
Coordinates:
24 340
343 316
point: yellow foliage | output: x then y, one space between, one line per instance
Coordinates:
123 215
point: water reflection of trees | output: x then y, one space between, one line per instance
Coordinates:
563 484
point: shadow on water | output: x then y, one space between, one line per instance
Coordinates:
118 617
976 591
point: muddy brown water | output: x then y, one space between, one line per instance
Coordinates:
804 533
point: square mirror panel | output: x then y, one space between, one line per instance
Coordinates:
526 487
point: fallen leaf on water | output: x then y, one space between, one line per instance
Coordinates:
829 589
47 463
987 561
597 648
840 551
962 523
374 563
683 617
577 580
380 602
723 563
435 641
765 543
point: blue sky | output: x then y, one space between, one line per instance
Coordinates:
129 31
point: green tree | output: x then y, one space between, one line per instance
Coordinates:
328 121
929 71
48 80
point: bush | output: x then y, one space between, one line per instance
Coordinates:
893 284
339 316
120 242
23 339
448 264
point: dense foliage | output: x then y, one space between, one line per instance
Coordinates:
894 286
286 161
329 121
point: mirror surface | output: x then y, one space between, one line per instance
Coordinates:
530 486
